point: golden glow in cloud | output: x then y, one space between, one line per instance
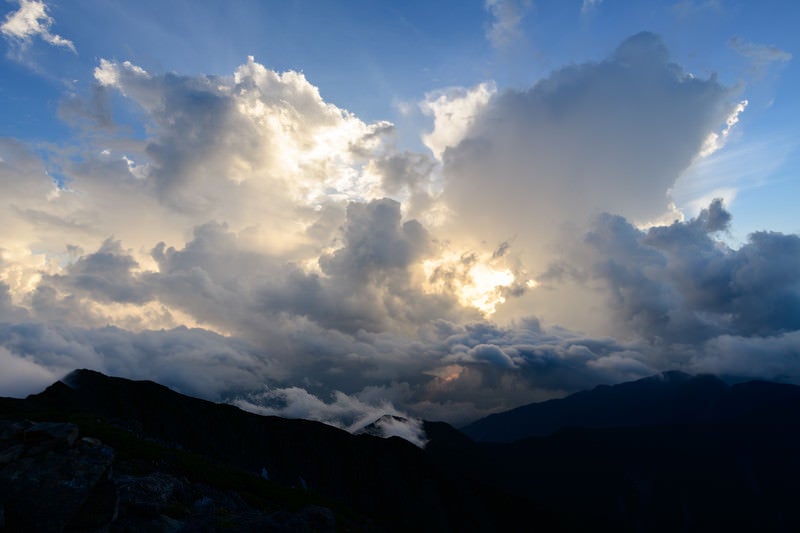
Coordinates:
475 281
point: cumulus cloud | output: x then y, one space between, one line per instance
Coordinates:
259 236
716 141
680 285
454 110
31 21
611 136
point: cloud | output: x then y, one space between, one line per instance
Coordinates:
22 376
678 284
690 8
507 16
773 357
454 111
590 6
255 235
716 141
346 412
611 136
761 56
30 21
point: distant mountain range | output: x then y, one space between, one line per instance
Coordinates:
669 398
667 453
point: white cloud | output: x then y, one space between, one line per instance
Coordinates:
610 136
345 412
32 20
715 141
507 16
454 110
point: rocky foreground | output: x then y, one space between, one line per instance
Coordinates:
54 479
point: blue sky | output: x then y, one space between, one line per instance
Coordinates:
452 207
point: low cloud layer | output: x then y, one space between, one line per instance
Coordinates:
258 244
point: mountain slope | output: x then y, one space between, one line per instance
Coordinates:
391 482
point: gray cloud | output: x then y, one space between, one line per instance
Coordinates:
597 137
678 283
105 275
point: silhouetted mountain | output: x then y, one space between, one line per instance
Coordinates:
669 398
666 453
389 483
674 452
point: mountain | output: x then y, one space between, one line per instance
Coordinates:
670 398
666 453
170 457
671 452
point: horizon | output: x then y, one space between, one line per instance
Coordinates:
431 211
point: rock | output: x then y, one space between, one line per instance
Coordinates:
46 487
316 518
11 429
11 454
148 497
47 435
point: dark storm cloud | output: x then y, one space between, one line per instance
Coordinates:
678 283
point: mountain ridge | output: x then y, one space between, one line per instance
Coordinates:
390 482
669 398
181 463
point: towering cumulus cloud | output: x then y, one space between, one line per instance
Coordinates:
258 244
609 136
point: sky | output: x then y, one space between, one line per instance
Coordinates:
439 210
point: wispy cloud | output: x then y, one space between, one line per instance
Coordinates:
589 6
760 55
507 16
32 21
690 8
